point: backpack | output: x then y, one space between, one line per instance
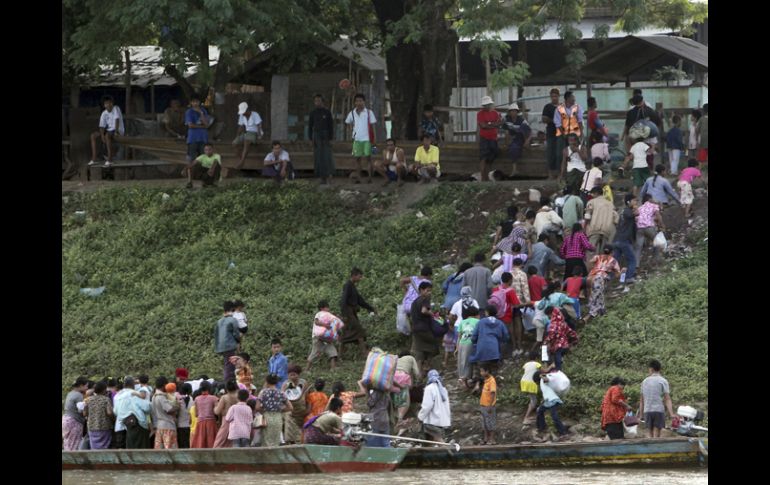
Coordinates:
465 311
560 207
499 301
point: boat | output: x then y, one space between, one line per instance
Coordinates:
681 452
283 459
635 452
457 158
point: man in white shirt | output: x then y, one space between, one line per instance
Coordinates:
110 121
249 130
360 120
277 164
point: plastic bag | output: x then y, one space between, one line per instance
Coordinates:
402 322
630 431
660 241
527 317
559 382
92 291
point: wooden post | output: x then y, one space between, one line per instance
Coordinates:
628 81
659 110
152 100
588 91
488 68
128 81
449 130
279 107
510 88
378 104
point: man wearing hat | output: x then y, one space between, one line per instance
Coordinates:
489 121
517 134
249 130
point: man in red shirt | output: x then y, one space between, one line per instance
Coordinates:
488 120
512 301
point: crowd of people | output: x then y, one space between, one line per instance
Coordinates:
573 155
551 266
548 276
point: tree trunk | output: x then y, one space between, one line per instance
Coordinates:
418 73
128 81
521 50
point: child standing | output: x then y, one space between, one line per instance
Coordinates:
640 170
573 285
528 385
257 425
278 363
488 401
450 342
675 144
240 418
686 196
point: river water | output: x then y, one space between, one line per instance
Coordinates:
557 476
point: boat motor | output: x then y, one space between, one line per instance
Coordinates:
353 424
687 425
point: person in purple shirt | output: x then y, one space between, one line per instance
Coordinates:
278 363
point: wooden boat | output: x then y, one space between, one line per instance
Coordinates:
284 459
457 158
638 452
685 452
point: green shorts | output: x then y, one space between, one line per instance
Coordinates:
640 175
249 136
362 148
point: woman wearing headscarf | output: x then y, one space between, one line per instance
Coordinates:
603 266
614 408
434 414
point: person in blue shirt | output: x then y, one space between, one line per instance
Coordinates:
278 363
674 144
659 187
196 118
488 337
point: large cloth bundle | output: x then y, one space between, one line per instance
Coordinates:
379 371
325 334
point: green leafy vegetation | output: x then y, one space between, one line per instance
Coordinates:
166 268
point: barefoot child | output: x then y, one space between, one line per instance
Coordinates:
450 342
528 385
488 401
686 195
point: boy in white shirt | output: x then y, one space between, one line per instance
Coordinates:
361 118
640 170
243 324
110 121
249 130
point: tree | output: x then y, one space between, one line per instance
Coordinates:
186 29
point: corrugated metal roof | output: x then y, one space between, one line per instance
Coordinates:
586 27
361 55
636 52
146 69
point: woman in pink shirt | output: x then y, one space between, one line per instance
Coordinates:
686 195
573 250
206 429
